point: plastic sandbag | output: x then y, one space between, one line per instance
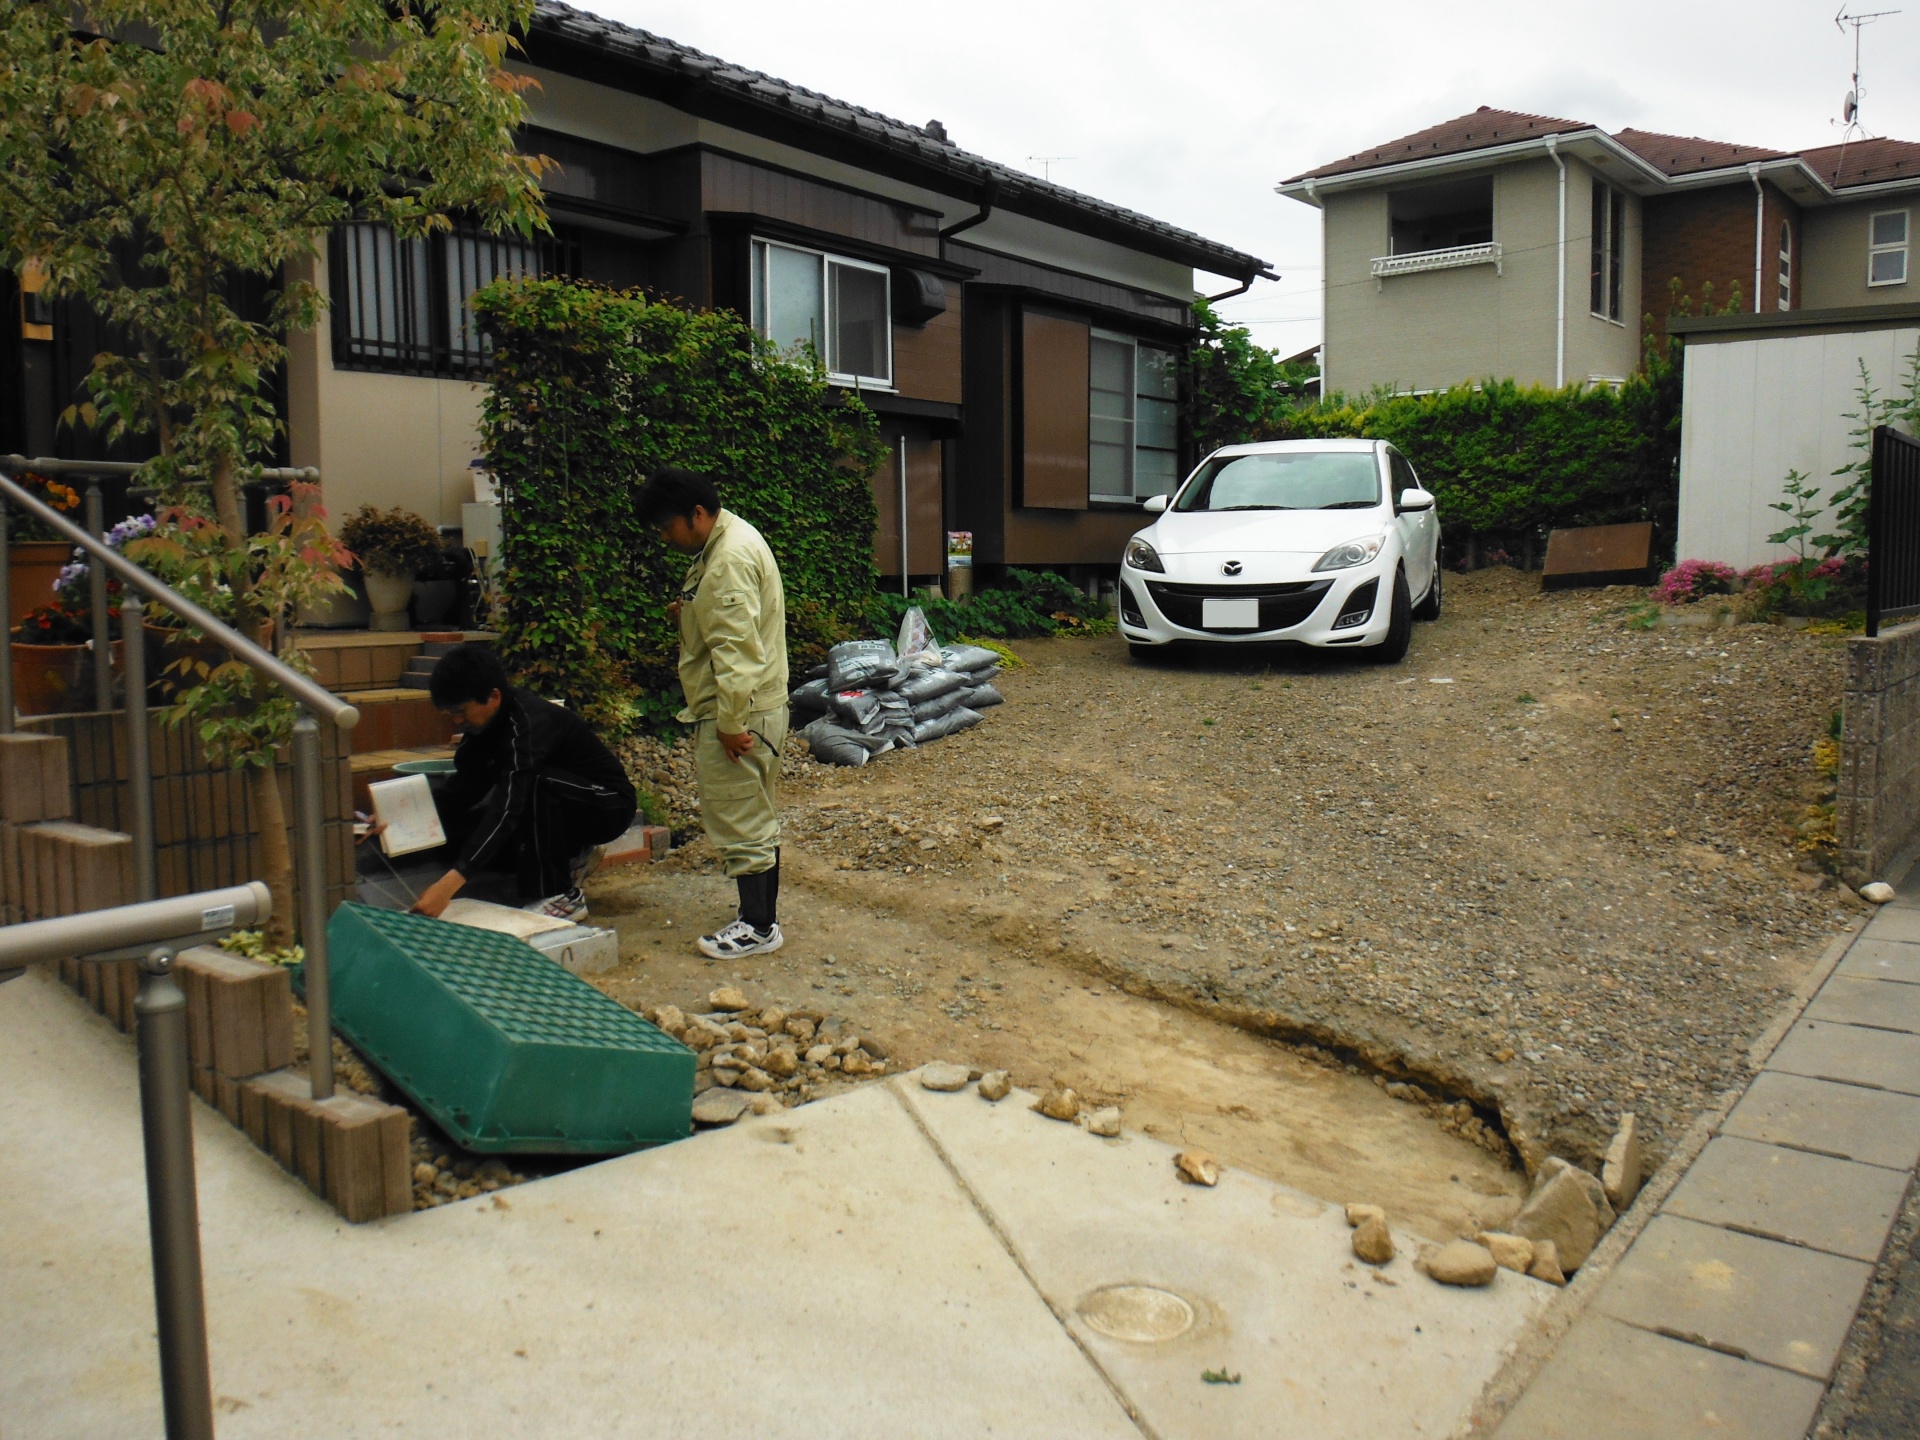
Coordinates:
939 705
856 664
837 744
951 723
982 697
969 658
857 708
896 717
925 685
817 672
810 699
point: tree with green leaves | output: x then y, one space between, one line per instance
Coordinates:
1234 388
156 157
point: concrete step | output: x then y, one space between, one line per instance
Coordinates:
396 717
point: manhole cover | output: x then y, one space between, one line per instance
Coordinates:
1137 1312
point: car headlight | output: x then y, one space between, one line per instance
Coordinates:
1352 553
1142 556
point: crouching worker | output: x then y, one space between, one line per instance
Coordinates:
533 789
733 672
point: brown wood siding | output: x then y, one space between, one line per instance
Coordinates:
1053 411
736 186
926 528
1060 537
926 359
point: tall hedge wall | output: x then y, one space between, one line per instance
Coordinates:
1508 463
593 389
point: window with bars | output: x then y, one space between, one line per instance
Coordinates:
1785 295
1608 269
405 306
1133 432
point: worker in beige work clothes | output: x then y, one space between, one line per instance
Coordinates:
733 672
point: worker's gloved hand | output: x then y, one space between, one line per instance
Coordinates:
437 896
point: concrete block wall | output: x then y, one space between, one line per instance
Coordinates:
1877 800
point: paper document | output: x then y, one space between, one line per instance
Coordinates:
405 806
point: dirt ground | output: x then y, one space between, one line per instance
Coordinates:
1544 870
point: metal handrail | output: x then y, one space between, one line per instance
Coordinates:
309 838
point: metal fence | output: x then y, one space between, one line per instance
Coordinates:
1893 530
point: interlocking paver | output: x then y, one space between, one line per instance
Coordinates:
1847 1052
1875 1127
1614 1380
1783 1304
1882 960
1838 1206
1880 1004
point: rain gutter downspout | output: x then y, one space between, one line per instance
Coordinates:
1759 229
989 193
1560 303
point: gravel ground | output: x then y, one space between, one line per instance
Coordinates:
1547 865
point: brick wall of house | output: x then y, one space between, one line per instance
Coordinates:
1707 236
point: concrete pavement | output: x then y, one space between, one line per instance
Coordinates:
890 1262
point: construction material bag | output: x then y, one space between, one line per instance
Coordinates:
809 701
924 685
915 644
951 723
969 659
982 697
858 709
857 664
833 743
896 717
939 705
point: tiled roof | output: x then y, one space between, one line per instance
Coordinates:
1864 162
1688 154
682 69
1485 127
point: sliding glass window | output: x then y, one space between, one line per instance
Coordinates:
1133 429
838 307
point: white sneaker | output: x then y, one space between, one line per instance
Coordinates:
737 939
570 906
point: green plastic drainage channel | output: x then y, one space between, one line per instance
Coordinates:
504 1049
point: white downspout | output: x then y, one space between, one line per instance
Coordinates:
1759 230
1560 306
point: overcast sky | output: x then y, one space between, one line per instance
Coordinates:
1191 112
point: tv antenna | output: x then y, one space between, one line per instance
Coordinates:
1850 107
1047 162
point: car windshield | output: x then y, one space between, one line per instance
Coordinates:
1299 480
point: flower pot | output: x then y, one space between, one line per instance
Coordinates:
346 610
33 566
56 679
432 599
388 595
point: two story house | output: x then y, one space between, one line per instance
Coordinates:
1018 340
1525 247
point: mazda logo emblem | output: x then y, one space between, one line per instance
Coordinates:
1232 567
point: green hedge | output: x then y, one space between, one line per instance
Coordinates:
593 389
1508 463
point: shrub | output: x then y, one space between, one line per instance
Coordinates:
593 390
1833 589
1031 603
396 541
1692 580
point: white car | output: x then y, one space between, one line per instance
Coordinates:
1318 542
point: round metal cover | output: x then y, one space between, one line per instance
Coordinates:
1137 1312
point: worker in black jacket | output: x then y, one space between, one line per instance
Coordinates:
533 788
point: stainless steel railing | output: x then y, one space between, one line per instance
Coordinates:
309 849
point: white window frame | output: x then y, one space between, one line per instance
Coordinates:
1610 246
1133 344
1903 247
1784 278
759 263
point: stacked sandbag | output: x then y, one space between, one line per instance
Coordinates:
870 698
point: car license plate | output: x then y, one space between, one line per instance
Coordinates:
1230 614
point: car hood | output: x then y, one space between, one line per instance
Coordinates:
1262 532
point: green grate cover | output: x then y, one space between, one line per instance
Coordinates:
502 1047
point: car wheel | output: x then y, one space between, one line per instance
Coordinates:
1429 608
1393 649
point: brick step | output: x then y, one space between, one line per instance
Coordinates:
349 1149
397 718
419 672
360 659
61 867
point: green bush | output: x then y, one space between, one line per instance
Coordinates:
593 390
1031 603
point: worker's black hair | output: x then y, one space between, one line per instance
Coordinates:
466 672
672 490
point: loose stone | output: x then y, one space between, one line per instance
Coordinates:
1372 1242
1197 1167
1358 1214
1061 1104
1462 1263
727 998
1510 1252
995 1085
720 1107
942 1076
1105 1122
1620 1172
1546 1263
1878 891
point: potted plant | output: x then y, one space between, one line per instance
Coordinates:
436 586
52 668
391 546
34 553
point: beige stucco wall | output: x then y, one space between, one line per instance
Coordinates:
1429 330
1834 248
380 439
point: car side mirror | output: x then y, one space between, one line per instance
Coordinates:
1156 503
1413 499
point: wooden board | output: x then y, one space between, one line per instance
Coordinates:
1599 555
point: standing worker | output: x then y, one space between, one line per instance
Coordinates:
733 672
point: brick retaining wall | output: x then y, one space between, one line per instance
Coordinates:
1877 808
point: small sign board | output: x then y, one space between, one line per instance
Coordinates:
1596 555
959 549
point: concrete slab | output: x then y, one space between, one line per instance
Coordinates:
1783 1304
1325 1346
1838 1206
1882 960
1898 921
1875 1004
818 1269
1612 1379
1848 1053
1875 1127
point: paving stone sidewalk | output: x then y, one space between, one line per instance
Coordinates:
1728 1311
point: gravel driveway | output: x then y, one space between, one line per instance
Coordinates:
1545 866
